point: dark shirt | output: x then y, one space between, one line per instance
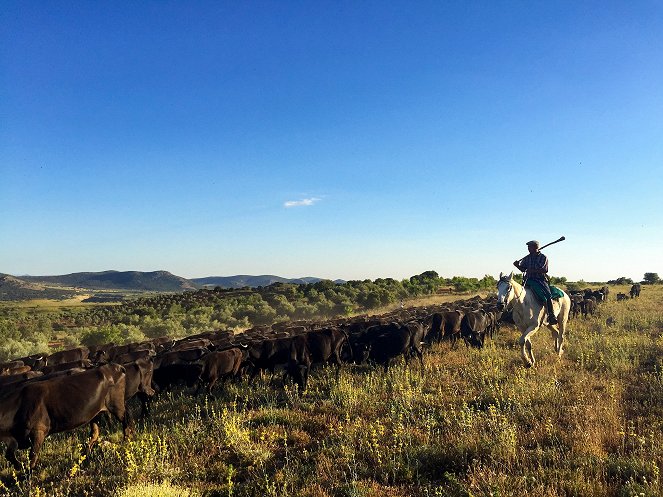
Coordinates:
534 261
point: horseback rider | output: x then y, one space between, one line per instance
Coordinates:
535 266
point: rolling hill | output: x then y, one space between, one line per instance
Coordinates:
154 281
12 288
242 280
65 286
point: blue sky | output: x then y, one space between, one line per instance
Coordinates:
334 139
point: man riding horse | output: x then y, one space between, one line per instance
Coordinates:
535 266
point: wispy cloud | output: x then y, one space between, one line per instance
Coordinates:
302 202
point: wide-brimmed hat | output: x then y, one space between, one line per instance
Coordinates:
533 242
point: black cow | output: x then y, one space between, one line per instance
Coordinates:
383 343
473 328
291 353
327 345
576 305
35 361
179 357
167 376
635 290
588 307
29 413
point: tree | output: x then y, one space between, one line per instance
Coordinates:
651 278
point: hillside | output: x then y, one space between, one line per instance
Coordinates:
155 281
243 280
12 288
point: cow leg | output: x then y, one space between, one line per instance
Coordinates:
144 405
10 454
119 411
303 372
420 354
211 385
38 437
94 435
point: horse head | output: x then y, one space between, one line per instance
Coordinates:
504 288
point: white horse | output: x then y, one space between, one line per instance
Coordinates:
529 315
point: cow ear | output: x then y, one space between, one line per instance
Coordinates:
501 275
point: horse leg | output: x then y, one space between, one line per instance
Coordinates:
559 344
526 346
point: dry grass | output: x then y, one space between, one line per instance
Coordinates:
471 423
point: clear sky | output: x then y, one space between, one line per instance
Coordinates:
336 139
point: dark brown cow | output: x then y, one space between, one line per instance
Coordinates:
15 378
77 354
7 366
29 414
139 383
85 364
16 370
221 365
133 356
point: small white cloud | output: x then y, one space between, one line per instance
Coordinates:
302 202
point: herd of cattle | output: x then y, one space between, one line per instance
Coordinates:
40 395
585 301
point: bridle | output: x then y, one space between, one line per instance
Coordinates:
507 305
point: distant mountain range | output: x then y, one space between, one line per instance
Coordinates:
242 280
64 286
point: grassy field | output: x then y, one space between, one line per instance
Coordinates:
471 423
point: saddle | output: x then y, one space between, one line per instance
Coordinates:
535 286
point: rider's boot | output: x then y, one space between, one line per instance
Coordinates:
552 319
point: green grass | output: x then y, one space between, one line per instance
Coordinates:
472 423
